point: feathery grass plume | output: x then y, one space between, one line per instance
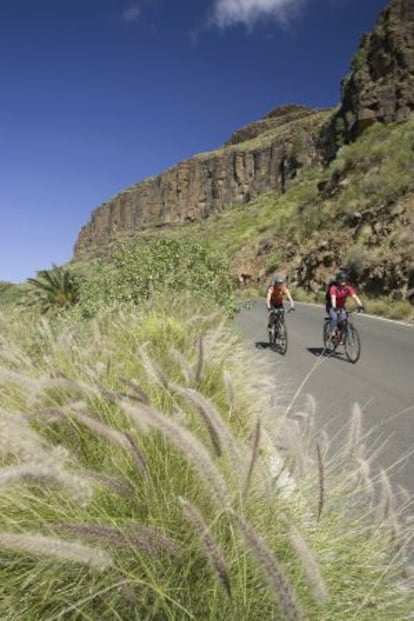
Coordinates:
198 371
212 550
127 591
43 472
138 536
137 454
321 480
355 431
386 504
138 393
253 460
37 545
296 447
286 598
185 441
14 358
152 370
310 566
220 432
113 483
188 373
364 472
228 383
29 384
209 421
76 411
387 511
48 415
58 381
19 439
274 468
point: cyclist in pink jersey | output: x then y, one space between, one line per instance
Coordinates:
337 295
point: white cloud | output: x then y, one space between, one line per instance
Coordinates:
227 13
131 13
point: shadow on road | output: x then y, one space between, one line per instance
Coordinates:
262 345
327 353
318 351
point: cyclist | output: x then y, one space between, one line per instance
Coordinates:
336 297
276 292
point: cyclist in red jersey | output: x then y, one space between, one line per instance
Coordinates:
276 292
337 296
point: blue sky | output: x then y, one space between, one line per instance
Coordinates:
97 95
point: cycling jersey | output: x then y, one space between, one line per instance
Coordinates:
277 293
341 294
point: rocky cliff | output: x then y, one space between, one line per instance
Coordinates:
268 154
257 158
380 86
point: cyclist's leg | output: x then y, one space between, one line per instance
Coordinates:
341 314
341 321
270 318
333 320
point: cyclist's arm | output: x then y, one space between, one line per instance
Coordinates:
333 301
289 297
357 300
268 299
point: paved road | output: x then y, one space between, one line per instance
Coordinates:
381 382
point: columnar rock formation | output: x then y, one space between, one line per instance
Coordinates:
256 159
263 155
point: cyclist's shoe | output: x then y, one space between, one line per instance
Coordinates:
361 309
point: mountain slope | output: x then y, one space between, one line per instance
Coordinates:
302 191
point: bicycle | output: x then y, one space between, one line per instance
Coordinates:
346 335
278 335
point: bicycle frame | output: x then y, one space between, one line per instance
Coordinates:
347 335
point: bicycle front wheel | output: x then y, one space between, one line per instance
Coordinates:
327 343
352 344
281 342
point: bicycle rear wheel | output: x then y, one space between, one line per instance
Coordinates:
352 344
281 342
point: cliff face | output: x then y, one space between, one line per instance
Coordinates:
380 86
257 158
266 154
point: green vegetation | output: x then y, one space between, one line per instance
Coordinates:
10 293
284 230
145 472
143 268
141 478
54 289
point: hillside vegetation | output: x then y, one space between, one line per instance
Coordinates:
356 212
146 473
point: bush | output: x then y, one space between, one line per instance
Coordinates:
140 271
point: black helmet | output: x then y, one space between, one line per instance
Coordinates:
278 280
341 275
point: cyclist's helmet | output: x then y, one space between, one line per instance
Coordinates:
341 276
278 280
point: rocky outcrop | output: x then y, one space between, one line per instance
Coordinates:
380 86
207 183
276 118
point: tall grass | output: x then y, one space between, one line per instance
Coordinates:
145 474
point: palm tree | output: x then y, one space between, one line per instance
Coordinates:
57 288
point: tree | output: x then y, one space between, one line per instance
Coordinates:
57 288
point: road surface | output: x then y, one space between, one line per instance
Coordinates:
381 382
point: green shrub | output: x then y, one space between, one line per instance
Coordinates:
141 270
